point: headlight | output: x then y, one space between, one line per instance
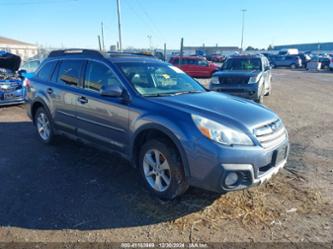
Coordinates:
256 79
215 80
220 133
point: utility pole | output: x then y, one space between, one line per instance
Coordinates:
99 42
243 22
102 33
150 44
119 25
181 51
164 51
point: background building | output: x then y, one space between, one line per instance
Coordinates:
23 49
189 50
320 47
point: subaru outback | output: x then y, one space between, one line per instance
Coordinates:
175 132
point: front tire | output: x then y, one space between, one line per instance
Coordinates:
161 169
44 126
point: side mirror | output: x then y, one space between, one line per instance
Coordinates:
22 73
111 91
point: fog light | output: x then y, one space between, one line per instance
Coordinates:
231 179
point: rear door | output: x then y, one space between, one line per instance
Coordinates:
101 119
281 61
202 68
186 66
66 93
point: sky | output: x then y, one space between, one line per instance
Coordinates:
76 23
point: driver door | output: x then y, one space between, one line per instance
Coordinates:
101 119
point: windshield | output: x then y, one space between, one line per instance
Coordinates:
159 79
243 64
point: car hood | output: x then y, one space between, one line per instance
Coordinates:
237 73
221 108
9 61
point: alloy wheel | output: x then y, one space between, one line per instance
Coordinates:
43 126
156 170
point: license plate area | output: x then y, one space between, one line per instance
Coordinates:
8 96
279 155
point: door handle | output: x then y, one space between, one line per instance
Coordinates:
49 90
83 100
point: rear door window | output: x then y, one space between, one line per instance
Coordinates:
69 72
175 61
202 63
46 71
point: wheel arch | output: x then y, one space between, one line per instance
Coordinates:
39 102
150 131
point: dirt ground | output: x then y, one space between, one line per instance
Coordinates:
71 193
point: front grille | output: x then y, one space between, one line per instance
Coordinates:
271 134
10 87
234 80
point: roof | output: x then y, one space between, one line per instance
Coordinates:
247 56
188 57
113 57
5 40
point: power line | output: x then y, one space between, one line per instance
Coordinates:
39 2
140 17
149 19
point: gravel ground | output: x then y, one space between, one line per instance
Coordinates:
70 192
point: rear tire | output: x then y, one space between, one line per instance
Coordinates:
44 126
161 169
269 92
260 99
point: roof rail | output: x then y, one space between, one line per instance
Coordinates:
118 53
75 51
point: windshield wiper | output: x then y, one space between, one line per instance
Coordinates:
157 95
170 93
186 92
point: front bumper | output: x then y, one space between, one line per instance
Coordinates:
248 91
211 163
13 97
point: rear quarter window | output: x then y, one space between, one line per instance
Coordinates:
45 72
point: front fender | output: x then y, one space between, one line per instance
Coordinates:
178 136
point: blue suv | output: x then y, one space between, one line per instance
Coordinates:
175 132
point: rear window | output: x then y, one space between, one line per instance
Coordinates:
46 70
69 72
243 64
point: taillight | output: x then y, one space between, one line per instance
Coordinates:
26 83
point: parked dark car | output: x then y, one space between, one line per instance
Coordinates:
325 62
11 84
217 58
292 61
195 66
246 76
305 59
164 122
